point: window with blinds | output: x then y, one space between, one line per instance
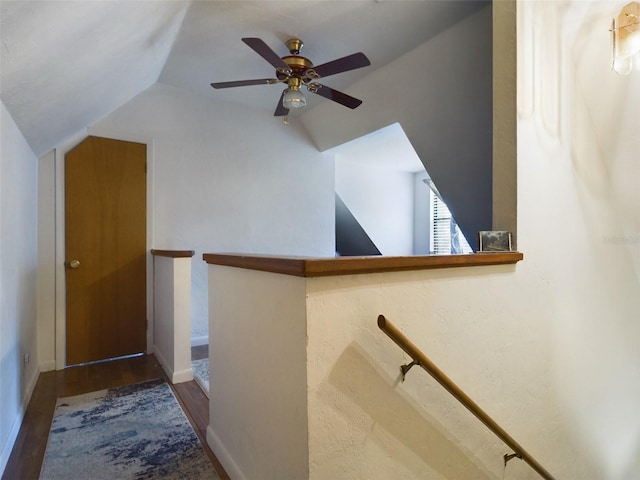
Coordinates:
445 236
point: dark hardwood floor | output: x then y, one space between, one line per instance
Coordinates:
28 452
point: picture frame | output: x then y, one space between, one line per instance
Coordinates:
494 241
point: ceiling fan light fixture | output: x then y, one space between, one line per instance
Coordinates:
296 71
293 98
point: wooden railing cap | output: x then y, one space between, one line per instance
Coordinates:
329 266
173 253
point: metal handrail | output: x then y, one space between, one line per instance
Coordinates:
421 359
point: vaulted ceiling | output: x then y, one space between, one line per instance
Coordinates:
67 64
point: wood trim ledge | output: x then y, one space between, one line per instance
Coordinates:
323 267
173 253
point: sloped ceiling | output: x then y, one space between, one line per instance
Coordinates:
67 64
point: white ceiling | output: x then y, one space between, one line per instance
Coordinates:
387 148
67 64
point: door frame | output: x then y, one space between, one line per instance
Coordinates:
60 246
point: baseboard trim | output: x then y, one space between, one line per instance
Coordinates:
185 375
163 361
11 440
17 422
222 454
204 388
47 366
31 386
179 376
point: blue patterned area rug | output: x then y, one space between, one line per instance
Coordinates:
133 432
201 373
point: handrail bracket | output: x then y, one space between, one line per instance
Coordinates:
511 456
405 368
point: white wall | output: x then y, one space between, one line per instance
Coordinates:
18 260
440 93
172 316
46 262
579 227
462 320
258 364
228 178
381 199
375 180
421 213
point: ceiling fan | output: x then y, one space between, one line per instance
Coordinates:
297 71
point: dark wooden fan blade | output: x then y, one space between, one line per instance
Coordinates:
281 110
265 52
344 64
244 83
336 96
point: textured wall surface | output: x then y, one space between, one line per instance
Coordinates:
18 262
172 316
365 423
257 358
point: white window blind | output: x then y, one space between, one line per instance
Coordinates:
445 236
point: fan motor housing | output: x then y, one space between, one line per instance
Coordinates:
298 64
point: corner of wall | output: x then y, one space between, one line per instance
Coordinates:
504 118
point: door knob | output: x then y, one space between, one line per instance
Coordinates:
74 263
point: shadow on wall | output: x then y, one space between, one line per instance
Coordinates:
376 395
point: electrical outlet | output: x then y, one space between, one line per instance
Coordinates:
26 358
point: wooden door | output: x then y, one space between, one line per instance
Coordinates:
105 228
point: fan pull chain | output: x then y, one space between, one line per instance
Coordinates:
285 120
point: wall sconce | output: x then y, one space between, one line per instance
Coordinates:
625 32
